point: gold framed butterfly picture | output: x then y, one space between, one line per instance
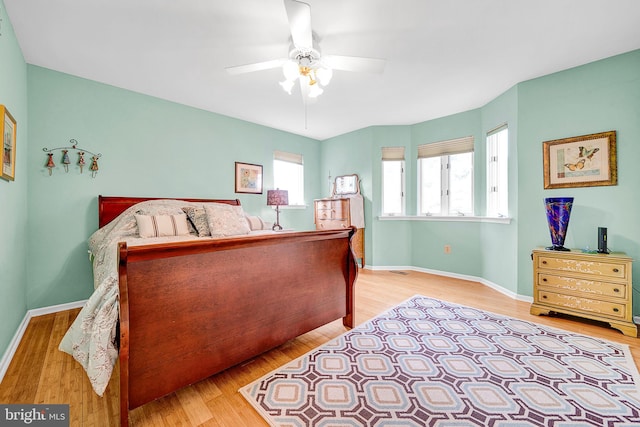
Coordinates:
580 161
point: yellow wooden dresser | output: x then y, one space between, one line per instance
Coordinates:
592 286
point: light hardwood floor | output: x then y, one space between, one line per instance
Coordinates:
39 373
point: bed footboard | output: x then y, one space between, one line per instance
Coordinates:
191 309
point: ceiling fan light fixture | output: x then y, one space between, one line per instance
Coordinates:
287 85
305 62
290 70
324 75
315 91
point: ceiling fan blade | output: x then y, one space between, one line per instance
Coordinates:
258 66
299 14
354 63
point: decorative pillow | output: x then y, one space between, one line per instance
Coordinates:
162 225
197 217
256 223
226 220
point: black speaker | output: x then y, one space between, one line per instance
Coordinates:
602 240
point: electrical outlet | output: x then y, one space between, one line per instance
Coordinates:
447 249
636 320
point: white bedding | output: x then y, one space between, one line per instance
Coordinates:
91 339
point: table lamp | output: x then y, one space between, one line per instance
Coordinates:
277 198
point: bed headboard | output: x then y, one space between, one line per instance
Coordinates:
109 207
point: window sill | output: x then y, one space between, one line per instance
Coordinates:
496 220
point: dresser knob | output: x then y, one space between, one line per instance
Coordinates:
544 297
544 280
616 290
544 262
615 270
615 310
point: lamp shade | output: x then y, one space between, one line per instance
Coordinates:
277 197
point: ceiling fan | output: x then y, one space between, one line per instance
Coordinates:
305 62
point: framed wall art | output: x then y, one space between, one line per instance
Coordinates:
580 161
8 132
248 178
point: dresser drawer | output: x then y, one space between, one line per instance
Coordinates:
584 305
337 205
595 268
324 204
591 288
338 214
329 224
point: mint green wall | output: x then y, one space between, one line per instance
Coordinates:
345 155
13 194
149 147
359 152
499 242
430 237
596 97
390 240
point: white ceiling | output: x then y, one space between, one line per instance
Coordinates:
443 56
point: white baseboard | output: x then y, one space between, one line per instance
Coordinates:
481 280
17 337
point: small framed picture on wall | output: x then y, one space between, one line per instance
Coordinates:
248 178
8 132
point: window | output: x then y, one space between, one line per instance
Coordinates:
288 174
445 177
497 172
392 181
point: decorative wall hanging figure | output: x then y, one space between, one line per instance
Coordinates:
50 165
81 160
66 160
94 166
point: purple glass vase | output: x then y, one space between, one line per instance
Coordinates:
558 212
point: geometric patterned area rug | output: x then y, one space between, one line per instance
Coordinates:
431 363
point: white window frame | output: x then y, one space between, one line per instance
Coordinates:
296 161
444 150
393 155
498 172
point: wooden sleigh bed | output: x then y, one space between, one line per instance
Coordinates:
191 309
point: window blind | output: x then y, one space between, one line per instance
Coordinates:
288 157
446 148
392 153
497 129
